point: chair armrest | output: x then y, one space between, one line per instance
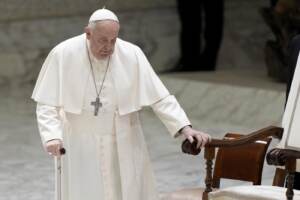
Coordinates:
280 157
271 131
287 158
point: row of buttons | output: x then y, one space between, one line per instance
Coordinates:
107 184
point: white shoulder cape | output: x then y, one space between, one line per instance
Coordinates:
64 74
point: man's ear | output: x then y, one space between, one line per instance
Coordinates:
87 31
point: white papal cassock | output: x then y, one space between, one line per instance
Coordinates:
106 155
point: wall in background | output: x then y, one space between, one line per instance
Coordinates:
28 31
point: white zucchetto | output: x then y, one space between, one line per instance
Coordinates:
103 14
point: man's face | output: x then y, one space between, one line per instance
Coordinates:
103 38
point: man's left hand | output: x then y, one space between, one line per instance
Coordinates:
190 133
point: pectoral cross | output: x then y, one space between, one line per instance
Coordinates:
97 104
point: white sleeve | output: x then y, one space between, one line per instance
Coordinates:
49 122
171 114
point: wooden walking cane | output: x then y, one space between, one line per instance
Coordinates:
58 173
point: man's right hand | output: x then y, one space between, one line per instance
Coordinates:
53 147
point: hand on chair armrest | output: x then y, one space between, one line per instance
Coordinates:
194 140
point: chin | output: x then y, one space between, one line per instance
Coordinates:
103 56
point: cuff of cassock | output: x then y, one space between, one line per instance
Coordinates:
174 130
179 132
50 136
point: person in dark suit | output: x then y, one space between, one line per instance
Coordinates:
273 3
293 52
192 15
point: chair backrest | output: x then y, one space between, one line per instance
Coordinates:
243 163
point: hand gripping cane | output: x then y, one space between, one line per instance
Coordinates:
58 173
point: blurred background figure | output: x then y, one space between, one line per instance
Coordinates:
293 52
282 17
202 19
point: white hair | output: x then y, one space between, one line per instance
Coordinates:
92 24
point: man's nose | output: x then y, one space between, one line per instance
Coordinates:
107 48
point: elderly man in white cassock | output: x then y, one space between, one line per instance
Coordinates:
89 93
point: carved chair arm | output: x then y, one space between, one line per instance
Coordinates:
273 131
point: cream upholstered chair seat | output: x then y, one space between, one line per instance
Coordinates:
184 194
258 192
